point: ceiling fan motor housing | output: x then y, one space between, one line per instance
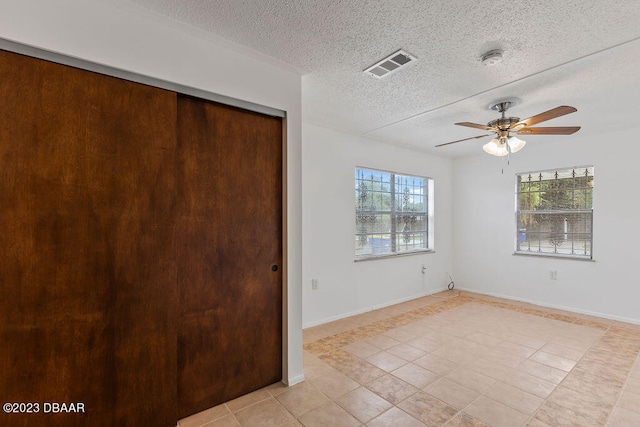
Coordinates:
503 123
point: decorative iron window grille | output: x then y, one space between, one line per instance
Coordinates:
555 212
392 213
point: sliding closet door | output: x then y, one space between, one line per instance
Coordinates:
87 251
229 251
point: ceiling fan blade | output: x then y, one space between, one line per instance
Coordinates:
460 140
565 130
474 125
547 115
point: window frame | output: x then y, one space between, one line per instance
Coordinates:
518 212
428 213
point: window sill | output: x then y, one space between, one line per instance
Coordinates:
401 254
559 256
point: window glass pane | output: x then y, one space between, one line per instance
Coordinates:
391 212
555 214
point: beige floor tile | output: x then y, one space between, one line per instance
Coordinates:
382 341
316 370
514 398
605 374
553 414
301 398
495 414
362 349
605 358
329 414
228 421
530 384
464 420
395 417
563 351
452 393
504 357
490 368
577 342
545 372
590 406
598 387
386 361
334 384
483 338
630 402
265 413
515 349
525 340
435 336
196 420
391 388
435 364
308 358
248 400
401 335
623 418
428 409
454 355
472 340
415 375
294 423
536 423
362 371
554 361
424 343
363 404
406 351
633 385
277 388
471 379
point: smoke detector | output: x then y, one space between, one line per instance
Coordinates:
491 58
390 64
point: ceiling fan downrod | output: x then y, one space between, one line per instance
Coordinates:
503 123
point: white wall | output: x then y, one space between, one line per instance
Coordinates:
124 36
347 287
484 227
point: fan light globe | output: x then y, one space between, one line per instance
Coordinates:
495 147
491 147
516 144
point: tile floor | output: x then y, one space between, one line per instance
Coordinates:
454 359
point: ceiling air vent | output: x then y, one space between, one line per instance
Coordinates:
390 64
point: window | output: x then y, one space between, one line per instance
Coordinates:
555 212
394 214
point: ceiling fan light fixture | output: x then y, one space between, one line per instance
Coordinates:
495 147
516 144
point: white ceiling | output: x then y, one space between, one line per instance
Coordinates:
583 53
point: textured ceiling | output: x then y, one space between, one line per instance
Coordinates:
583 53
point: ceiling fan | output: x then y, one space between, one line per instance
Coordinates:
504 143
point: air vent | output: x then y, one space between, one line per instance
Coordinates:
390 64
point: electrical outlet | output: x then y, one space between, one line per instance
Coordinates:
314 284
424 268
553 274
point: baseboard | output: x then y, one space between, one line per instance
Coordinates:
295 380
559 307
371 308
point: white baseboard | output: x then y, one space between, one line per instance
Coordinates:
559 307
371 308
295 380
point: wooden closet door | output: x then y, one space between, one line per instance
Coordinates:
229 251
88 302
